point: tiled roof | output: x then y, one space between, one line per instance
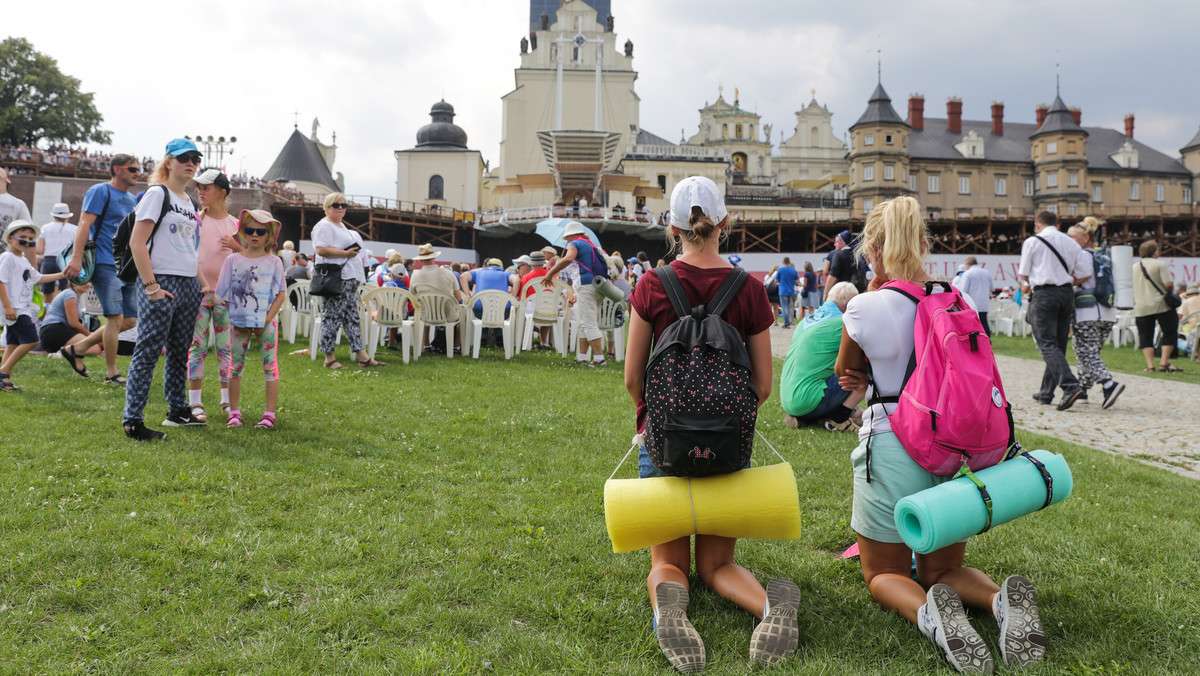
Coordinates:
300 160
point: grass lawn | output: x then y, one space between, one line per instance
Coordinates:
1125 359
446 517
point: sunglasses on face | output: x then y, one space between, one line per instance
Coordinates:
188 159
255 232
24 242
133 170
338 205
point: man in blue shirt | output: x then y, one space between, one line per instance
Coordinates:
105 205
787 276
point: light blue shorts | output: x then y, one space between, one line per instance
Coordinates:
894 475
116 297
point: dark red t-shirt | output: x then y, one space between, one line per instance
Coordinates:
749 312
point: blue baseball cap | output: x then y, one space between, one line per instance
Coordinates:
180 146
735 259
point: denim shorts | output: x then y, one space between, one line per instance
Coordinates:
23 332
116 297
49 267
833 398
894 475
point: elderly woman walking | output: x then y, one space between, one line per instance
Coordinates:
339 245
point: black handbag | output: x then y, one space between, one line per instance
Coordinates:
326 280
1171 299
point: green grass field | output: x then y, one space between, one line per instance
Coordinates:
446 517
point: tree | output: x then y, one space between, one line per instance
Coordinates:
38 101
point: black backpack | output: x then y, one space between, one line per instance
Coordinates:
122 257
701 403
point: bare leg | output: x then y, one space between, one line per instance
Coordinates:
14 354
714 562
670 562
235 392
1148 352
1166 355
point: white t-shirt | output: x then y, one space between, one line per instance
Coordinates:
881 322
19 278
1085 266
328 233
57 236
178 236
12 209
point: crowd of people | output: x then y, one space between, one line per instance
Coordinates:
21 157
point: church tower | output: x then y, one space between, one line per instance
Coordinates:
879 156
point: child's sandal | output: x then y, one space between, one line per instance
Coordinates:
267 422
6 383
235 419
198 413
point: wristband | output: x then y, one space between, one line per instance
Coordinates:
149 284
157 288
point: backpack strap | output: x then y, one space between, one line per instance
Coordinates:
670 281
166 206
727 291
103 212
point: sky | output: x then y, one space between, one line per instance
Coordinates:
370 69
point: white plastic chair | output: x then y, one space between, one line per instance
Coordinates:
387 307
1123 325
1188 333
364 317
546 307
493 304
609 329
299 317
314 332
1002 316
438 309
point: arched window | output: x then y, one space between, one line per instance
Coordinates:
436 188
739 129
724 131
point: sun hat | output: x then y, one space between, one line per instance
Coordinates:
537 259
524 258
573 228
262 217
21 224
549 251
180 146
425 252
696 191
213 177
493 261
61 210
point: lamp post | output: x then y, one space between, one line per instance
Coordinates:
216 148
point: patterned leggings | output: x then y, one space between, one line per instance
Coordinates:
215 315
268 343
1089 338
164 323
341 312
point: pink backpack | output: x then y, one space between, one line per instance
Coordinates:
951 409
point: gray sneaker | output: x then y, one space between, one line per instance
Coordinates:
1022 641
945 622
777 635
679 640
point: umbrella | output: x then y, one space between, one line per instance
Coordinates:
551 229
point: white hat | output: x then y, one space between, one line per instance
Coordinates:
573 228
523 259
388 253
21 224
696 191
61 210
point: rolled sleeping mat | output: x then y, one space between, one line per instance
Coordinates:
760 502
1122 262
953 511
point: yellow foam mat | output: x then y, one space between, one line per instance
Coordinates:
760 502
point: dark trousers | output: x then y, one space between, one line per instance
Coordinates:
1050 313
986 328
166 323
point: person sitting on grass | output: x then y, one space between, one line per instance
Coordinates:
879 327
808 387
63 327
17 278
253 287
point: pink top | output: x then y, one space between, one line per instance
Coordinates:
211 253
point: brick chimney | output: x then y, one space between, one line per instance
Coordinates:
1129 125
954 115
1042 110
916 111
998 118
1076 114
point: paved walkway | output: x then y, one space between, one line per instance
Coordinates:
1153 421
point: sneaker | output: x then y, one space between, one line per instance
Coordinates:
1022 641
183 417
847 425
777 635
602 362
1111 393
1082 395
676 636
791 422
945 623
1069 398
138 431
1043 402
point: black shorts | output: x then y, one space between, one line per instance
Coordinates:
21 332
1167 321
55 336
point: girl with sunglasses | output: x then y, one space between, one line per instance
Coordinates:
17 279
169 286
252 287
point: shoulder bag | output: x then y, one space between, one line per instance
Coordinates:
1171 299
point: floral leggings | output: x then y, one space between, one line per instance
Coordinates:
1089 338
341 312
215 315
268 343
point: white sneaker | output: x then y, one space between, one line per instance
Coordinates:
1022 641
945 623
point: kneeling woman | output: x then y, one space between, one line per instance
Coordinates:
878 327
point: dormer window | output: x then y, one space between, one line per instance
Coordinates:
1127 156
971 145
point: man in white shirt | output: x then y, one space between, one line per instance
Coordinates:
1047 269
12 209
977 283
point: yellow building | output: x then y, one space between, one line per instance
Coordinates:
441 170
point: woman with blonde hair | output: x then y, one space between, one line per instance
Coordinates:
337 244
878 327
1093 320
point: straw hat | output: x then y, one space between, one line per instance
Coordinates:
425 252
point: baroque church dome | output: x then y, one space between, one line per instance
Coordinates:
441 132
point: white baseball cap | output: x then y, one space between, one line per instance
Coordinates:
696 191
